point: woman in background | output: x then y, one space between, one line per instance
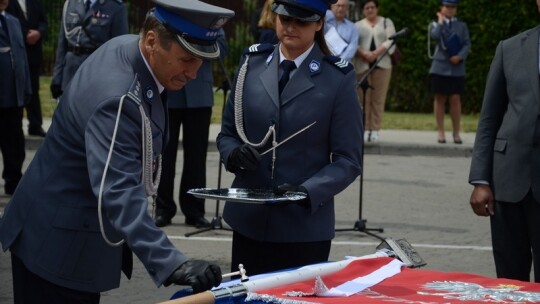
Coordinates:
447 71
374 31
267 24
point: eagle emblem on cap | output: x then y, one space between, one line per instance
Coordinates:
219 23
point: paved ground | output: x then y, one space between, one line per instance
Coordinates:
413 188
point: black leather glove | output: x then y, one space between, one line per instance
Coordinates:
56 90
244 157
200 275
281 189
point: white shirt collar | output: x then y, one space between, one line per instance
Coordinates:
158 84
298 60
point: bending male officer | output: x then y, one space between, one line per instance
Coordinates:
81 208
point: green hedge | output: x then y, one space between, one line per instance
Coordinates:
489 22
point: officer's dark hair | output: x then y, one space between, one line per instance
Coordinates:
151 23
319 38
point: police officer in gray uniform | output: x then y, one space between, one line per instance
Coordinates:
15 92
265 108
81 208
85 26
447 72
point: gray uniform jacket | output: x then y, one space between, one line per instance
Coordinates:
324 159
82 31
51 222
441 64
507 146
14 72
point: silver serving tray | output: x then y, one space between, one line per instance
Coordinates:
254 196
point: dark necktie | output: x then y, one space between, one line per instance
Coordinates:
4 24
87 5
287 66
163 95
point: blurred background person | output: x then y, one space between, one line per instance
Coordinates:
34 27
254 28
286 88
340 32
447 71
16 89
267 24
189 109
374 31
85 26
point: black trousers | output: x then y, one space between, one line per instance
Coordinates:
515 236
263 257
12 146
29 288
195 124
33 109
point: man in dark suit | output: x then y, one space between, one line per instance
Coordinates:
506 157
81 208
15 91
34 27
190 109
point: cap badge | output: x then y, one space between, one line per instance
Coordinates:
219 23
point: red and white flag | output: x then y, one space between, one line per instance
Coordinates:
412 286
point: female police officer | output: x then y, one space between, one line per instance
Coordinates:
81 207
321 161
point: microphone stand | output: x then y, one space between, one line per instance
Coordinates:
216 223
360 224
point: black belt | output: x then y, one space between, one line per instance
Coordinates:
80 50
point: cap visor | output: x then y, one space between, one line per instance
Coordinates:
296 13
210 51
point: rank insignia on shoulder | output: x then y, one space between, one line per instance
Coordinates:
259 48
135 93
342 65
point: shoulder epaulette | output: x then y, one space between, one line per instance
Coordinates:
341 64
135 91
259 48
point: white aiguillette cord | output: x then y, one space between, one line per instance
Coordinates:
239 118
150 184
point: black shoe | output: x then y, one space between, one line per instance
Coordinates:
10 186
37 132
162 221
198 222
